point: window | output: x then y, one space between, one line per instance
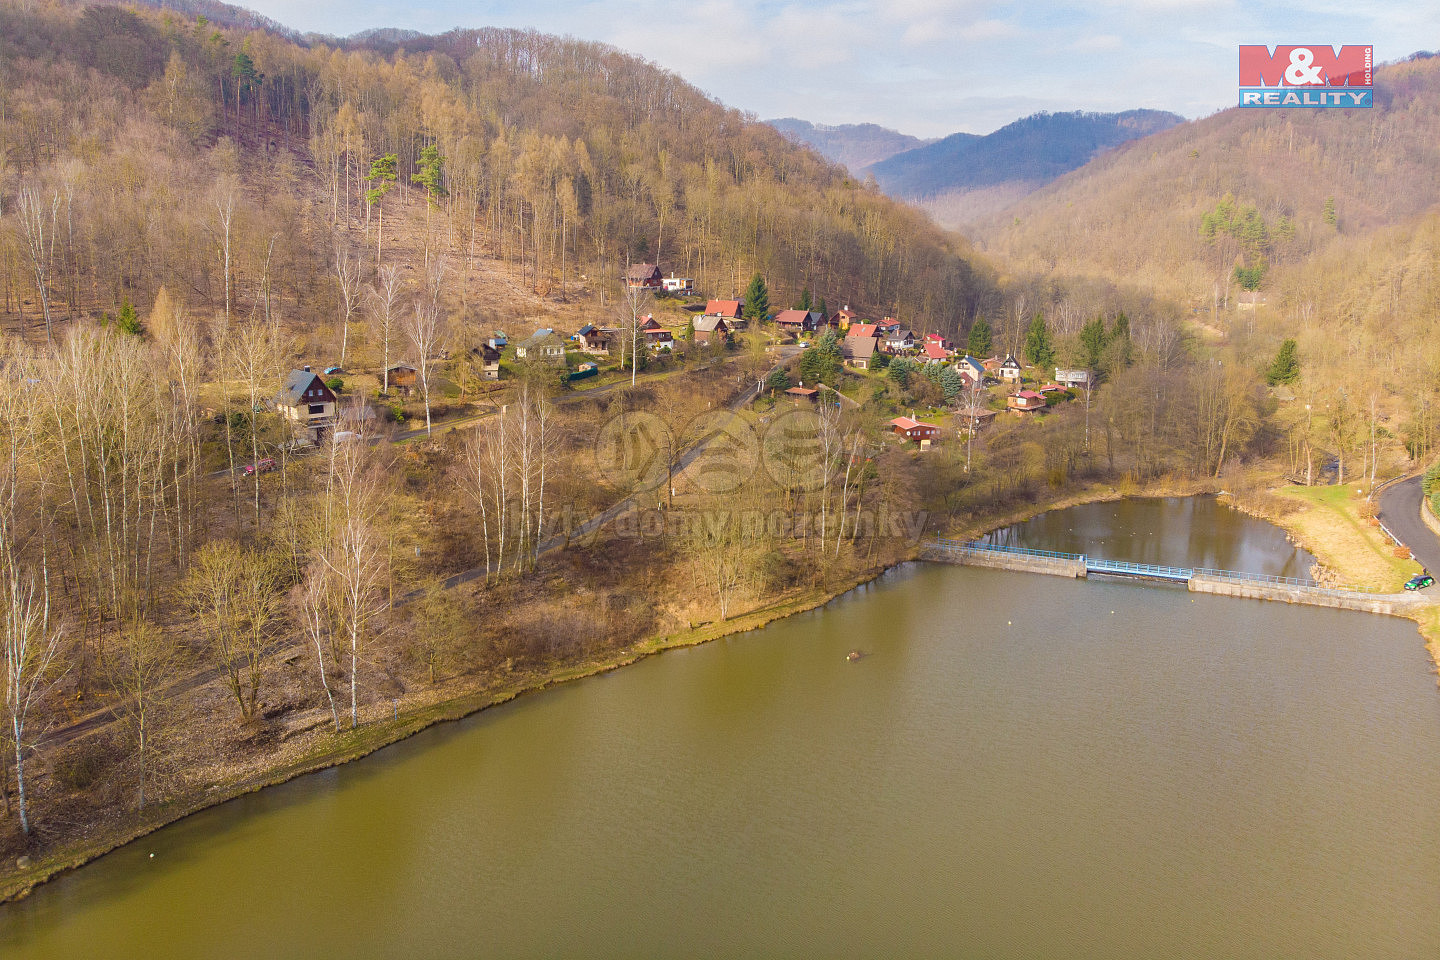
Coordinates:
317 408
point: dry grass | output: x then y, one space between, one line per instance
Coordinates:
1331 525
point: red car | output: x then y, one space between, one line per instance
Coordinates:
261 466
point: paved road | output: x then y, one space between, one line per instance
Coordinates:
1400 511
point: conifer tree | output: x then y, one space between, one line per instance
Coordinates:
1285 368
757 299
979 342
1039 350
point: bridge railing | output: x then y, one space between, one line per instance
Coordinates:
1097 565
1100 565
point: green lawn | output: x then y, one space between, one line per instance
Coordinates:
1330 525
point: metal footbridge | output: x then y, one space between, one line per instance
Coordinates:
1113 568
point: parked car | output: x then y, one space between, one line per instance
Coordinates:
1419 582
330 370
260 466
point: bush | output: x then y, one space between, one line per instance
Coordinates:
336 384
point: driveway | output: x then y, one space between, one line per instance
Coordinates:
1400 512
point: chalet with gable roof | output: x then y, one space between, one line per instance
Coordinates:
1010 369
797 321
912 429
709 329
643 276
307 403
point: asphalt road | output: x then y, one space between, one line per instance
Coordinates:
1400 512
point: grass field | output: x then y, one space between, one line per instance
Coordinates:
1329 523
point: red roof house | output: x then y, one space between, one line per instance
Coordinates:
1026 401
912 429
729 309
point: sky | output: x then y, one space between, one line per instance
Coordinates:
924 67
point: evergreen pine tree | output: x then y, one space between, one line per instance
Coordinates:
1285 368
1092 343
979 343
1039 350
128 322
757 299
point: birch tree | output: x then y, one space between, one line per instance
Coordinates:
348 267
39 228
384 298
29 648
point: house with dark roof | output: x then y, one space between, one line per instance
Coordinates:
543 344
858 352
798 321
707 329
1010 369
972 371
307 403
644 276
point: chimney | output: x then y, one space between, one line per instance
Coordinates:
307 368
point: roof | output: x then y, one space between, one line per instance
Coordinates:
588 328
641 271
543 337
1051 388
794 316
802 391
402 366
935 351
858 348
906 423
723 308
650 323
292 392
710 324
1029 395
859 330
1010 361
900 335
973 364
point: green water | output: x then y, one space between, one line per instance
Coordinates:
1022 767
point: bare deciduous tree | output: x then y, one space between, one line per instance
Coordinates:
384 297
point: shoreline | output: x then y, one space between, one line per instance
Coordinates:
350 745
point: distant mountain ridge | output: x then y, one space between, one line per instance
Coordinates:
1034 149
856 145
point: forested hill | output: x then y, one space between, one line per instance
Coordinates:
856 145
1331 215
1034 149
567 157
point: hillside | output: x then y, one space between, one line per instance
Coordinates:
854 145
1330 214
965 173
562 158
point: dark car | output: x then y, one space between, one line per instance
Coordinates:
260 466
1419 582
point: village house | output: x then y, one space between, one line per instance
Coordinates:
802 393
401 378
935 351
498 341
797 321
912 429
656 336
684 286
972 371
1083 379
992 365
1026 401
898 341
724 309
843 318
858 352
307 403
1010 370
707 329
869 330
489 359
643 276
974 422
543 344
597 340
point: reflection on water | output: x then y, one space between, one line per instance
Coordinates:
1020 767
1166 531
